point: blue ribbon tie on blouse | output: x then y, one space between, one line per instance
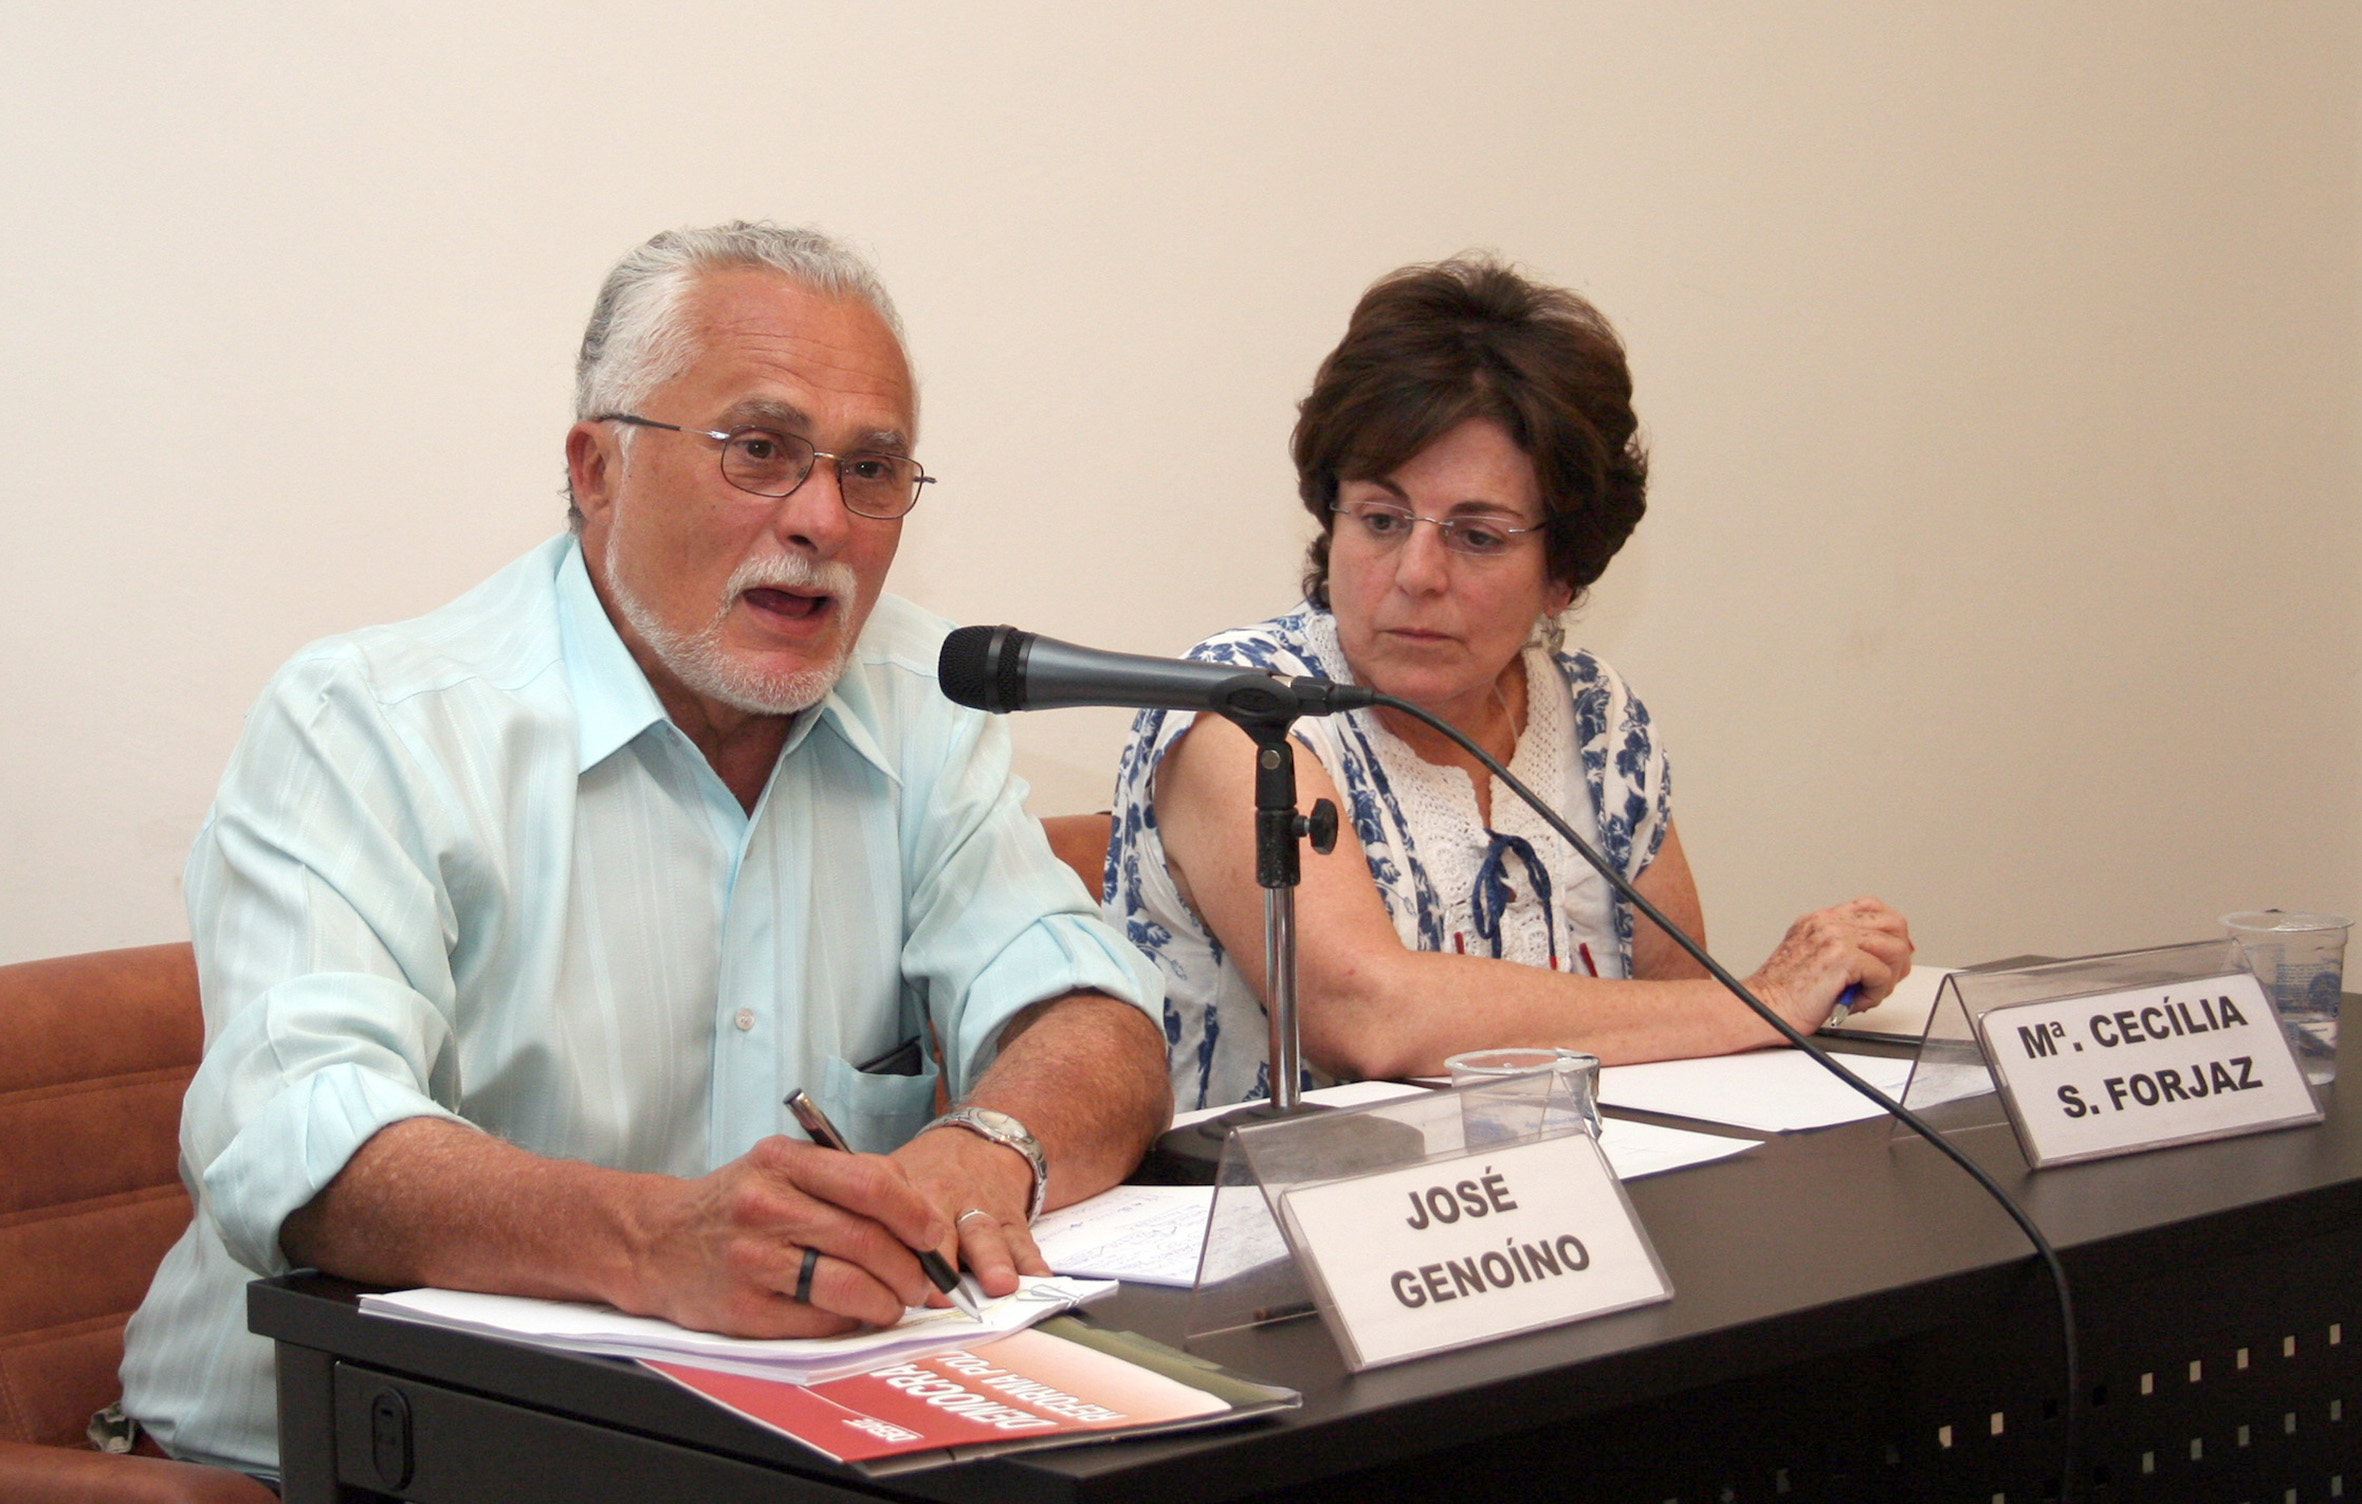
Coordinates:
1493 894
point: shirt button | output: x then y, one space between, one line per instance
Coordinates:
745 1019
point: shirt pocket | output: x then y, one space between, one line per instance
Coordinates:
877 1114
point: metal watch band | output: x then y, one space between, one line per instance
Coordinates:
1007 1131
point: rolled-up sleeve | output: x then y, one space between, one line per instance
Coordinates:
321 932
995 922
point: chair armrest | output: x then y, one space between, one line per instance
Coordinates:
63 1475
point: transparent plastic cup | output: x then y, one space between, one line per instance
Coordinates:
1519 1091
2300 960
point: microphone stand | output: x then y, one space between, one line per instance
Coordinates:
1278 870
1193 1155
993 669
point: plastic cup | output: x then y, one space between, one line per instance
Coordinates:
2300 960
1516 1092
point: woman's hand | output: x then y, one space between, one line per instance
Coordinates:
1861 942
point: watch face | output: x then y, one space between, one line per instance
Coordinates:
1001 1122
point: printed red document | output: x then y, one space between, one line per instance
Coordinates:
1030 1388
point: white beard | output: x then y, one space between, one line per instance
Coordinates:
700 661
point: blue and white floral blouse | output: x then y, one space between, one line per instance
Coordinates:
1450 883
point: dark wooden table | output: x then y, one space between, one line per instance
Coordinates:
1853 1319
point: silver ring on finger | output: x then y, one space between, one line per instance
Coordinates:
973 1211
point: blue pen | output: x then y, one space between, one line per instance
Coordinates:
1845 1005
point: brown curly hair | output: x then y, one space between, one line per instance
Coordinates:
1431 346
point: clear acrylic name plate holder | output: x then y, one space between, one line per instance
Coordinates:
1248 1275
1952 1084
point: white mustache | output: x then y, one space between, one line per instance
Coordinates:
792 572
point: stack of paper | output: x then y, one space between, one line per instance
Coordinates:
583 1328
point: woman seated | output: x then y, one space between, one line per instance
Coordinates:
1473 461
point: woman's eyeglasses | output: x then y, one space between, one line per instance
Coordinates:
1473 534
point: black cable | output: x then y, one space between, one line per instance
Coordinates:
1738 989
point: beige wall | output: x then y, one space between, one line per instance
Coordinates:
2002 364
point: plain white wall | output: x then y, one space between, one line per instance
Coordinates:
2003 365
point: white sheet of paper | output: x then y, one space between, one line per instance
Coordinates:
1904 1013
578 1326
1772 1091
1637 1149
1148 1234
1152 1235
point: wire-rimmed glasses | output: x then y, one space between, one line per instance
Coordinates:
1475 534
766 462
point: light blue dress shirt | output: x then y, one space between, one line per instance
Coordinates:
465 867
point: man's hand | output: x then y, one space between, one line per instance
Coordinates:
983 1191
724 1253
428 1201
1090 1134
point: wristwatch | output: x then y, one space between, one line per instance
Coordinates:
1006 1131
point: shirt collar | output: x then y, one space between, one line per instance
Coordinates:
613 701
851 708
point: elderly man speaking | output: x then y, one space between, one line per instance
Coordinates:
516 922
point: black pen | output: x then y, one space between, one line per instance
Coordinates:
824 1133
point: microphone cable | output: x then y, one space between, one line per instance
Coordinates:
1738 989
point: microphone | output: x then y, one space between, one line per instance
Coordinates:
1002 669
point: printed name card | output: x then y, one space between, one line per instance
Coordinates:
1459 1251
2087 1077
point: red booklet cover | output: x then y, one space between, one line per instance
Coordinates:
1030 1388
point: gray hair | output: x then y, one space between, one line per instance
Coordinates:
636 340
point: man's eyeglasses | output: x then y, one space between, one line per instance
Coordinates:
1478 536
766 462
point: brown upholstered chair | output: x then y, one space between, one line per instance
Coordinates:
1081 843
95 1052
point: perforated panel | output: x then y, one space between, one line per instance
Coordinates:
2231 1378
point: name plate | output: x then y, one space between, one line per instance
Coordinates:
1458 1251
2115 1072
